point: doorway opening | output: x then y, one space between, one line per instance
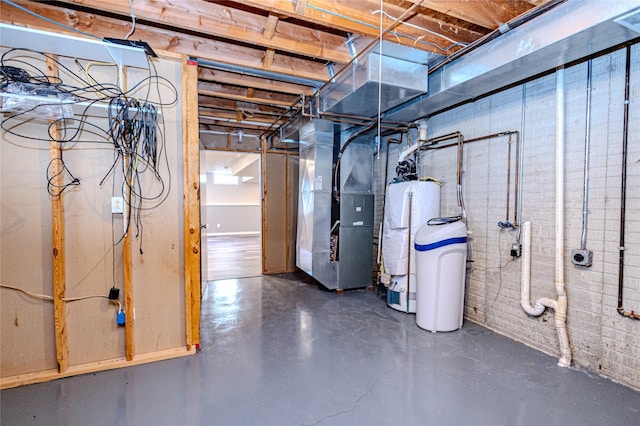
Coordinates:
231 214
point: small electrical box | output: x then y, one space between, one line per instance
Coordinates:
516 250
114 293
117 205
581 257
120 318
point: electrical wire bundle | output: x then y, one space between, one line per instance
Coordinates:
133 131
138 141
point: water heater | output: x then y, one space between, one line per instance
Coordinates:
408 205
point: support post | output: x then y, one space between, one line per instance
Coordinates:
57 228
191 188
127 263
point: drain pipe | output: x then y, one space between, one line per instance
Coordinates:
561 308
525 288
560 304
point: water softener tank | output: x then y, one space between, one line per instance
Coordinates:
441 258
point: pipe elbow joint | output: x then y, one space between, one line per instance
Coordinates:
534 311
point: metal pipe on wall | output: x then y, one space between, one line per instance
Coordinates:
587 150
623 191
520 155
518 185
384 199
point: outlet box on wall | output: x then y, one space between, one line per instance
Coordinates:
117 205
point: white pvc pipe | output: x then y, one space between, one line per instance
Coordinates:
561 308
404 154
525 292
422 138
560 304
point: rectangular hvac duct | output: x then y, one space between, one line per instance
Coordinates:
400 75
571 31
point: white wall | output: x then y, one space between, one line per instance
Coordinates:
233 209
601 339
247 193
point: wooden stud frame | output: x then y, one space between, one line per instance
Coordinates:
192 253
191 187
58 234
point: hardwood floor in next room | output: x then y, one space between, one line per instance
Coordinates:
234 256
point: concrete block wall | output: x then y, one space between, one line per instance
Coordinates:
601 339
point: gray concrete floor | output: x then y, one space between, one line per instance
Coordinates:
278 351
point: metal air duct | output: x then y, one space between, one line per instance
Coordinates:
571 31
394 70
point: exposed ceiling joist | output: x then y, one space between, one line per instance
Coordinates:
360 18
489 14
258 58
218 20
160 39
235 79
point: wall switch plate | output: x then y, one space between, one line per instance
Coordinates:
117 205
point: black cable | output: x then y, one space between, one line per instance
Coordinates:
138 142
56 190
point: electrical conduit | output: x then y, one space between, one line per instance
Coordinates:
560 304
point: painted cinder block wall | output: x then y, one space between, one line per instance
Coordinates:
601 339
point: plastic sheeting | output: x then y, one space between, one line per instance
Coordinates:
425 204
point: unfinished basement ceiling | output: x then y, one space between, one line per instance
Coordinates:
259 59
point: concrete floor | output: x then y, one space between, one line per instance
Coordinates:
277 351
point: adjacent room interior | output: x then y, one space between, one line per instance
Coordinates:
231 214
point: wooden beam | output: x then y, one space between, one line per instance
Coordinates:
219 20
191 189
58 239
160 39
92 367
262 101
485 13
225 77
301 5
127 257
270 26
226 126
231 105
246 93
267 62
232 116
359 18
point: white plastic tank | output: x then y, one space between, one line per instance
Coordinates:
441 256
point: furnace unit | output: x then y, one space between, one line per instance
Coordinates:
335 210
